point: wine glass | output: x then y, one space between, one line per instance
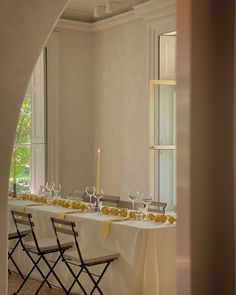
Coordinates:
42 190
147 200
50 188
98 196
133 198
57 189
90 191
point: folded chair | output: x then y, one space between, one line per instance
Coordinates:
13 235
41 248
84 259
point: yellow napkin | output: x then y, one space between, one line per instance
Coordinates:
105 228
62 215
22 208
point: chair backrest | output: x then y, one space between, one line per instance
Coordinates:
111 201
128 205
86 198
76 195
158 207
24 218
68 228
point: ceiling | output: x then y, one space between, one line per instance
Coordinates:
83 10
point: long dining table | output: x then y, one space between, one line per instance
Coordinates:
147 262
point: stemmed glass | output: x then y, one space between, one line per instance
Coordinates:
50 188
147 200
42 190
98 196
57 189
90 191
133 198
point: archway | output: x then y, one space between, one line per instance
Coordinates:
22 39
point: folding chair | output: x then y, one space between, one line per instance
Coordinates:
84 259
112 201
39 247
158 207
13 235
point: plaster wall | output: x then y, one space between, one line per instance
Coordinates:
70 111
121 107
101 101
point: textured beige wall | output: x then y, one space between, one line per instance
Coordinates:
121 107
22 36
74 114
102 99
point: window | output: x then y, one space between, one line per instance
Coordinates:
28 161
162 98
163 125
20 167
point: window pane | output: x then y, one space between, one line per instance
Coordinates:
165 177
19 172
165 115
23 131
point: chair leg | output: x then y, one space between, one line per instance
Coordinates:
76 280
51 271
10 254
38 269
26 278
99 279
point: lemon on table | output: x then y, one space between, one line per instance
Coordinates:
116 211
103 210
77 205
171 219
112 210
107 211
73 205
83 207
123 212
157 218
132 215
163 218
151 216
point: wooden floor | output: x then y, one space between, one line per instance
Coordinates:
29 288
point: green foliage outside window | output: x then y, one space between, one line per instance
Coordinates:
21 155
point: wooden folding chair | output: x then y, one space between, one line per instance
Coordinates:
84 259
39 247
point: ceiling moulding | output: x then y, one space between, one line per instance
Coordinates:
154 12
115 21
72 25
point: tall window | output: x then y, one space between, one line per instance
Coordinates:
20 167
28 160
163 123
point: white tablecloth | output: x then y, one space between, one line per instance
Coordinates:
147 250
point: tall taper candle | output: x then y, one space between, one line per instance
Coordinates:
98 170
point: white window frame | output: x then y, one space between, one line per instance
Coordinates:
36 91
160 147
